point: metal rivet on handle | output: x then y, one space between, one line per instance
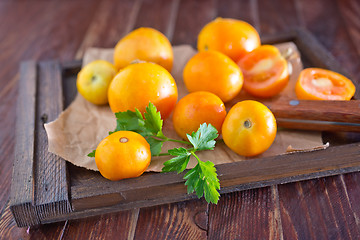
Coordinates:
294 102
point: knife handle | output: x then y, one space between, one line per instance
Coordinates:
317 115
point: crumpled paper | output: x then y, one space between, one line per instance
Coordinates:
80 128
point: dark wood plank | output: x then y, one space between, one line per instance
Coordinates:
22 187
245 10
352 193
192 17
350 10
50 171
109 24
108 226
10 230
277 16
164 19
185 220
318 209
251 214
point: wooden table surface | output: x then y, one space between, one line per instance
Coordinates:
325 208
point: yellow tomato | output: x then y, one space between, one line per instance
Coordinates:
232 37
94 79
197 108
213 72
249 128
123 154
146 44
140 83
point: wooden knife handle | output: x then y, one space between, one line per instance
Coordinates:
317 115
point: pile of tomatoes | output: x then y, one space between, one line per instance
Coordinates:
230 58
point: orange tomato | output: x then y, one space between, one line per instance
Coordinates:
123 154
195 109
321 84
146 44
213 72
140 83
249 128
232 37
265 71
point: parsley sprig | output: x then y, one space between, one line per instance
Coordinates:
203 177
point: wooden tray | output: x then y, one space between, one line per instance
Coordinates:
45 188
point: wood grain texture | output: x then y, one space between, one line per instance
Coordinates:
185 220
245 10
109 226
50 173
324 217
163 20
254 208
10 230
192 16
22 193
120 15
350 13
277 16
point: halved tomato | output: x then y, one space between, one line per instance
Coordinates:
265 71
321 84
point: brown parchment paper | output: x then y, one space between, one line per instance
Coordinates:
79 128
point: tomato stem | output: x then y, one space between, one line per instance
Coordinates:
162 154
176 140
197 158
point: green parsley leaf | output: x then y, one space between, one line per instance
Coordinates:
179 162
131 121
155 145
92 154
149 126
203 180
204 137
153 121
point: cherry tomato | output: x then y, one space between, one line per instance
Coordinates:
123 154
145 44
321 84
197 108
94 79
249 128
213 72
232 37
265 71
140 83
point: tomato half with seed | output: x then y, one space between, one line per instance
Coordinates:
322 84
249 128
265 71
